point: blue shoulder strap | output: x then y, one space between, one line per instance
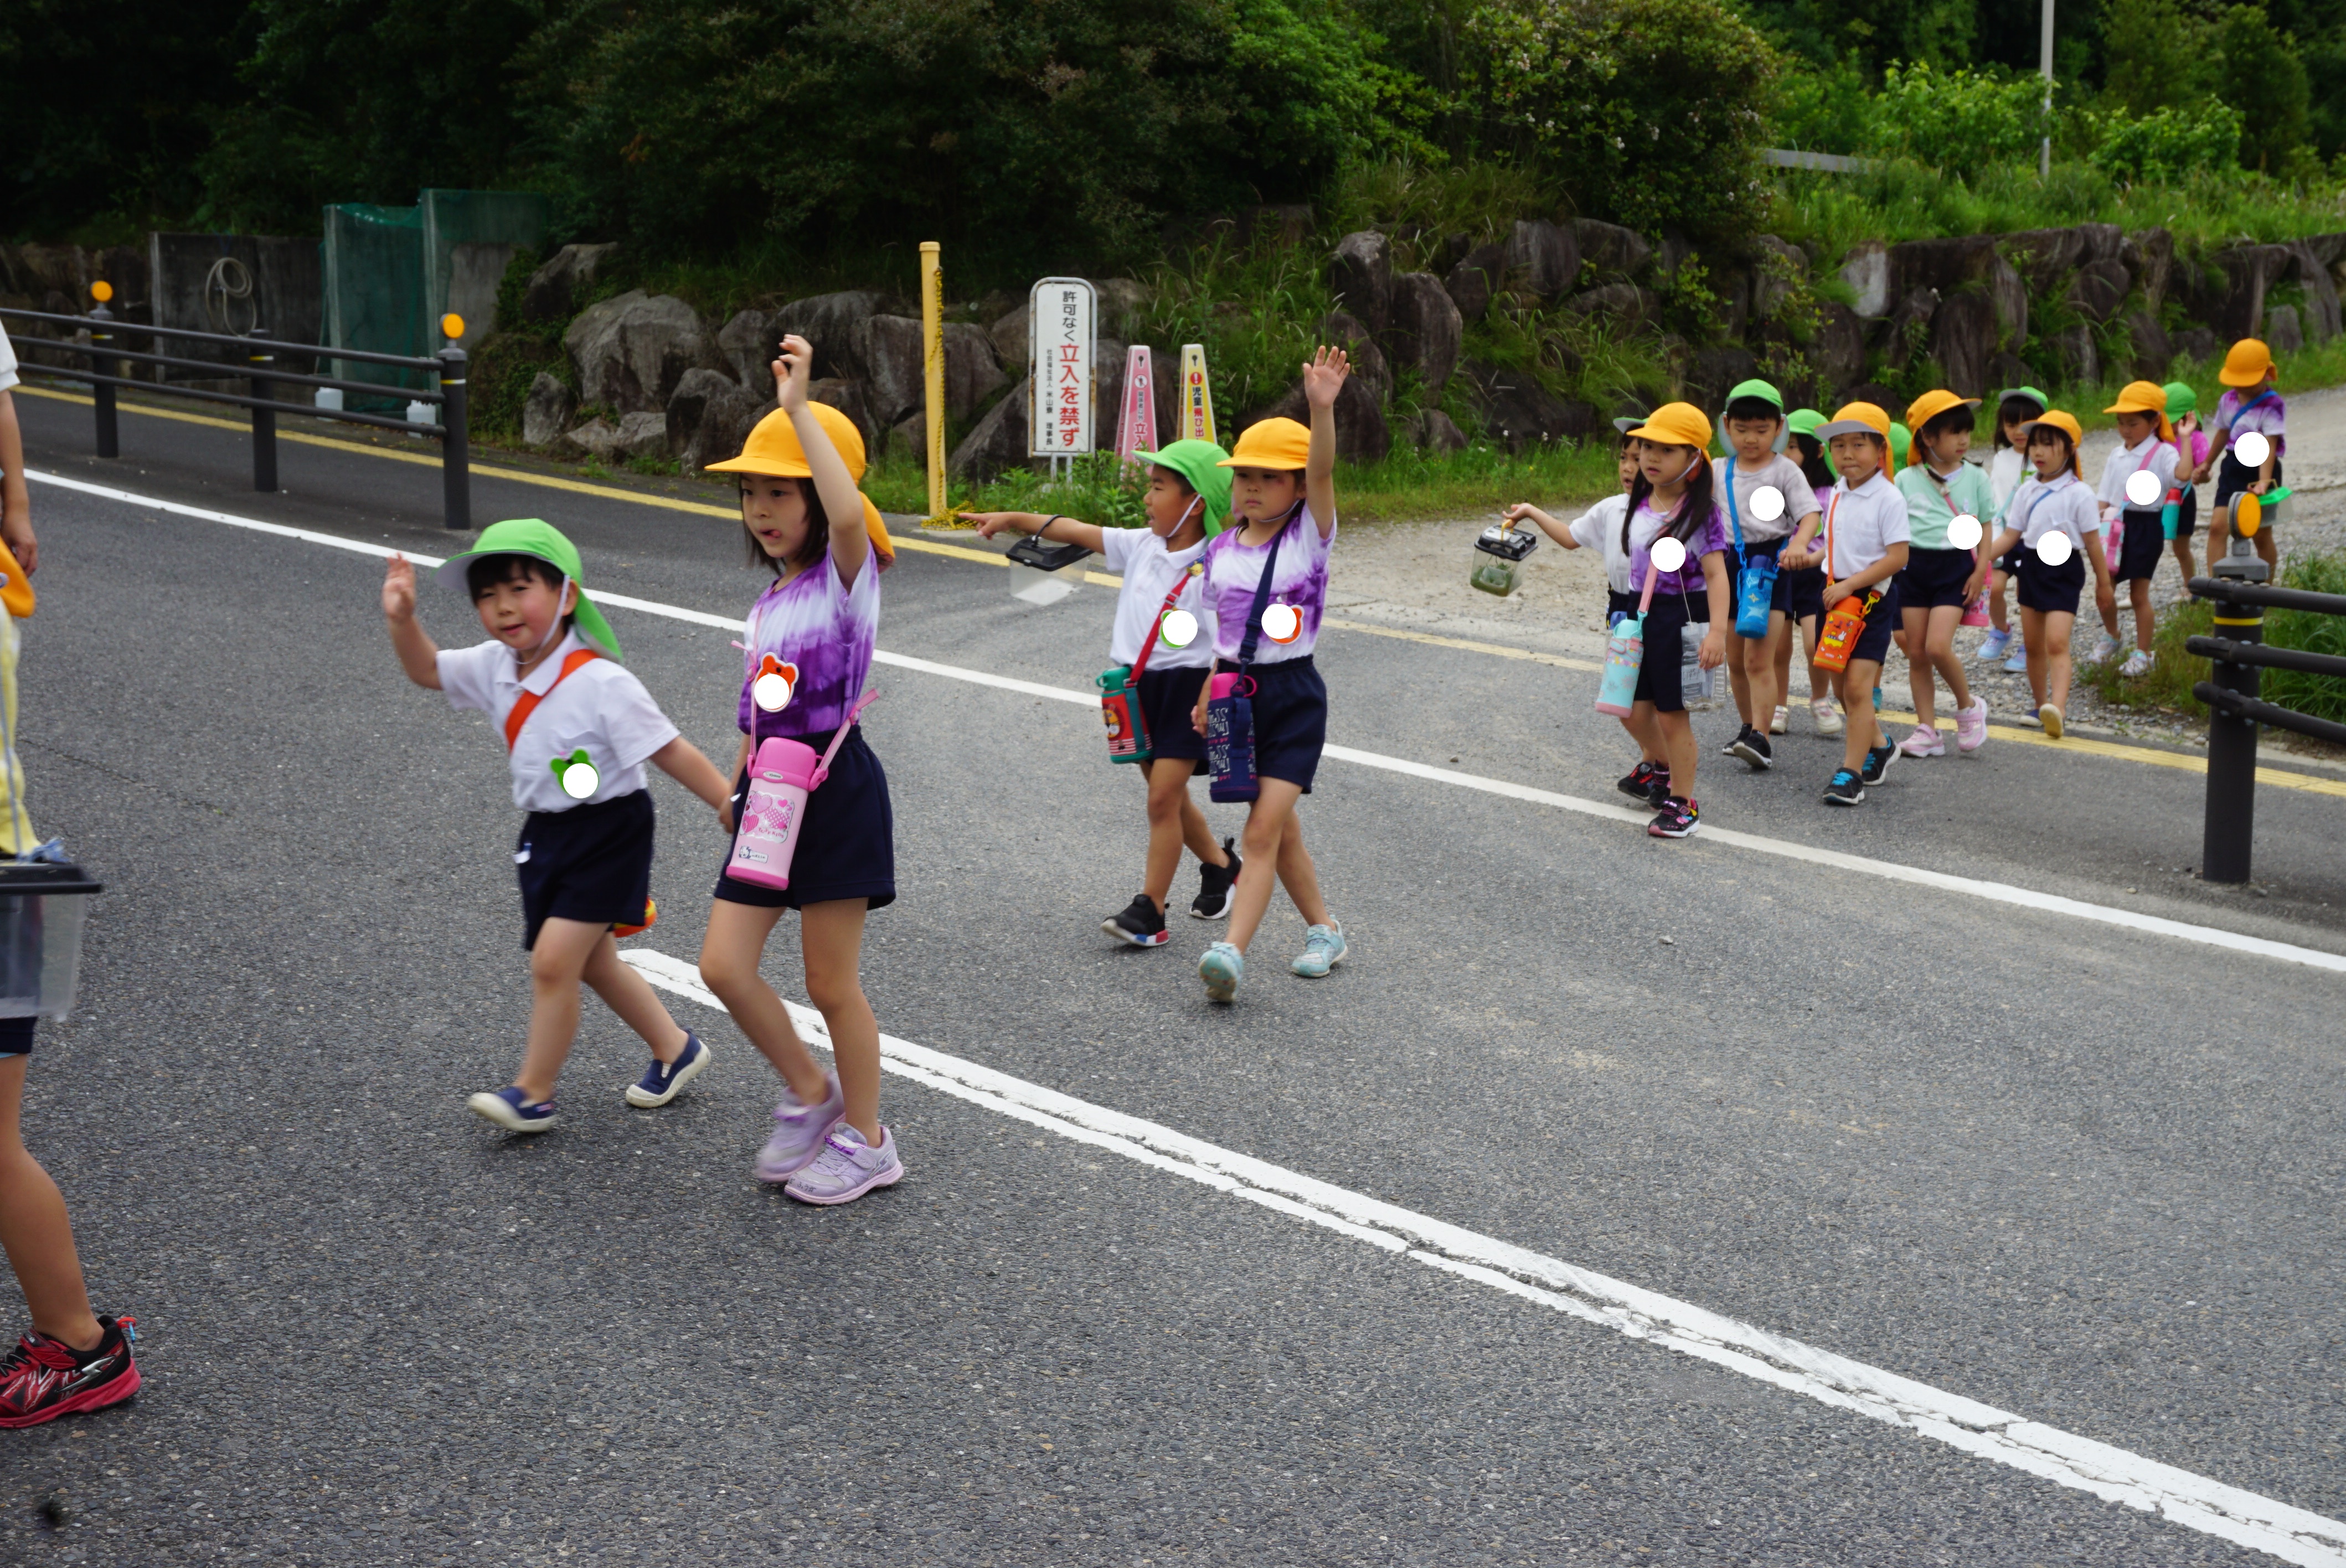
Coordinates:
1734 513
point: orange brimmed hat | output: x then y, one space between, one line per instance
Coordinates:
773 448
1925 409
2145 397
1275 443
2248 363
1857 419
2066 424
1676 424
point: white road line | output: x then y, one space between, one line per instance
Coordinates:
2115 1475
1999 892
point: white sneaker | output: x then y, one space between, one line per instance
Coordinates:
2104 646
1782 723
1828 717
847 1168
2136 666
1924 742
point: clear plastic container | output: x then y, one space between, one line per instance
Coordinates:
1499 555
41 912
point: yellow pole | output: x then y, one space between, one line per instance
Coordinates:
932 363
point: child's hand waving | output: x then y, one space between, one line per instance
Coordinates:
1323 376
793 371
399 589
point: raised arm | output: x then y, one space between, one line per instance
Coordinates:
1323 378
1064 530
841 501
418 655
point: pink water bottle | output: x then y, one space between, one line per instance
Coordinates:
781 777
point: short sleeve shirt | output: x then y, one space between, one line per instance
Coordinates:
826 631
1599 528
1934 500
1149 572
2235 418
2151 454
1299 580
2005 470
600 708
2063 507
1647 526
1863 523
7 362
1781 474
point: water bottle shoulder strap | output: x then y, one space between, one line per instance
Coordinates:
526 704
1262 593
1148 642
1734 518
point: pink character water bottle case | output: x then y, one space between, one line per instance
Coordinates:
781 776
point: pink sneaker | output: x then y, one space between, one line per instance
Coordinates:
847 1167
1924 742
1971 725
799 1132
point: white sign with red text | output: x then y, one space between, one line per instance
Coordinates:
1061 314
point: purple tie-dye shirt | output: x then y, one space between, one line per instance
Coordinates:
1646 527
1298 581
827 630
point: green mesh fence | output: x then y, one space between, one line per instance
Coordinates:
392 273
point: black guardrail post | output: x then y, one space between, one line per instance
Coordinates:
456 464
2230 832
109 429
264 425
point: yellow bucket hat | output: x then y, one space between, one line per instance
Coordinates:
2145 397
1676 424
2066 424
1857 419
2248 363
773 449
1276 444
1928 407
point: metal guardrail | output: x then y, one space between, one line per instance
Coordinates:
98 338
2234 710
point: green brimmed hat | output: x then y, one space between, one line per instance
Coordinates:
535 536
1803 421
1199 462
2030 394
2181 399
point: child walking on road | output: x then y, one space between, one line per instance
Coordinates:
1807 584
2007 470
2191 468
2147 447
1268 582
578 727
805 666
1864 545
2053 531
1189 497
2251 406
1940 576
1754 422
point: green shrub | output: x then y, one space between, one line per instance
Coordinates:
1962 120
2167 144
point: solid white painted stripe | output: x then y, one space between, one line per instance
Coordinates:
2243 1517
2000 892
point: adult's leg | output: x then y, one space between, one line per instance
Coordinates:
627 992
729 966
558 962
832 933
35 1230
1268 821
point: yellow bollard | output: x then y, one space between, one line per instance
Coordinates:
933 364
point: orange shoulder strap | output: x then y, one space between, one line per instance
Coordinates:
530 699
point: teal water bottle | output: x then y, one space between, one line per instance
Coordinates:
2171 514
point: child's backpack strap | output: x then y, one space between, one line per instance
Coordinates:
528 702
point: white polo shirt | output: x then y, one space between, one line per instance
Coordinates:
2064 506
602 707
1599 528
1149 571
1863 523
2121 464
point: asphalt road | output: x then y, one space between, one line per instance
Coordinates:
2087 1174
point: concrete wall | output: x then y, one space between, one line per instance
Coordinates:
288 290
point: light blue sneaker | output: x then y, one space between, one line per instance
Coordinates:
1221 969
2018 663
1323 948
1993 645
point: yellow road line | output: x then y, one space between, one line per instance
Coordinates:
2279 778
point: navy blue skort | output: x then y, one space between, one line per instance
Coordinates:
847 845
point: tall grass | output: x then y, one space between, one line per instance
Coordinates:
2322 695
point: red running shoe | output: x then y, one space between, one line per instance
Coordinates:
43 1378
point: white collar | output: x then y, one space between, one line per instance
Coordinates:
549 670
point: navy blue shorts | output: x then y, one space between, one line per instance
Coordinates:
1291 721
17 1035
1661 674
1931 578
2232 477
2051 590
1168 706
1806 588
1874 643
847 845
2187 512
591 863
2141 545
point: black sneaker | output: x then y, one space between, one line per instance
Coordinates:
1638 782
1677 819
1217 886
1754 748
1846 788
1142 923
1877 763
